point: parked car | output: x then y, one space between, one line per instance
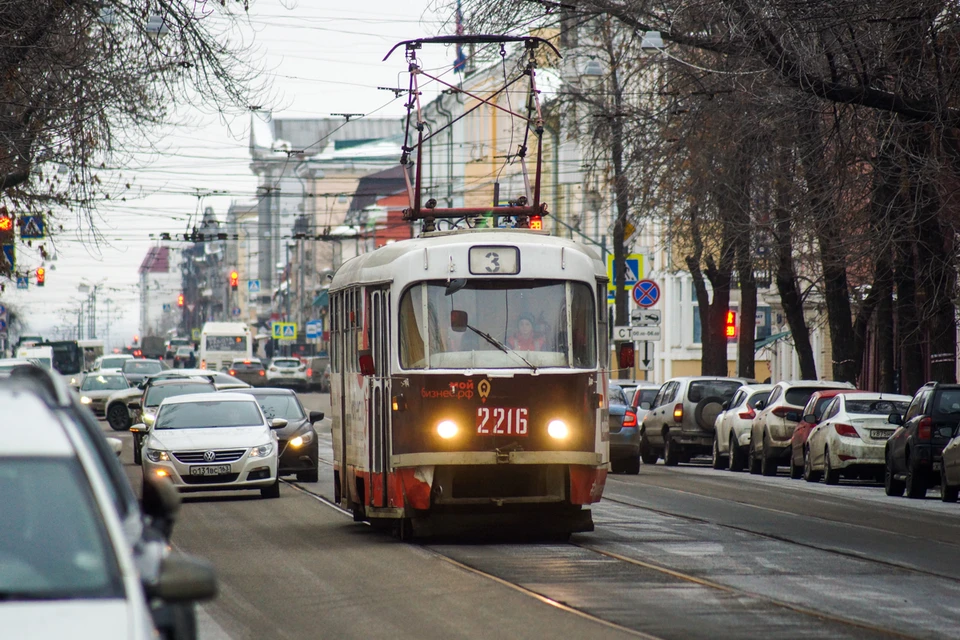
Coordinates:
624 432
214 441
809 417
950 471
97 387
772 429
731 442
681 422
641 399
913 453
318 374
249 370
850 439
145 530
287 371
299 447
138 369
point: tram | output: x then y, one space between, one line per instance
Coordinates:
469 377
445 417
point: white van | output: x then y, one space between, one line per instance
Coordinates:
43 354
222 342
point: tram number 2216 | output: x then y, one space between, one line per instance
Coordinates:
501 421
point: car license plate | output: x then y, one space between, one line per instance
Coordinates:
880 434
501 421
213 470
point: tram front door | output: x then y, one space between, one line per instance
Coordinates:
379 411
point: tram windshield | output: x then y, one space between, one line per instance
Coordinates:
497 324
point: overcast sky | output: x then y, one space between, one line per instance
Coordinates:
324 57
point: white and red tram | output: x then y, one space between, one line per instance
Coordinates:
468 383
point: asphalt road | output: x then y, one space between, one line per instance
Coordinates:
683 552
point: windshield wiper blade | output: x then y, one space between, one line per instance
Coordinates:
499 345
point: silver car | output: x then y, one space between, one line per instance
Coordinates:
680 424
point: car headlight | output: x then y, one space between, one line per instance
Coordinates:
85 399
262 451
157 455
302 439
73 382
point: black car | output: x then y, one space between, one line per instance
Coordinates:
624 433
914 452
299 449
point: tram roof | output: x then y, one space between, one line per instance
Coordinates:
391 260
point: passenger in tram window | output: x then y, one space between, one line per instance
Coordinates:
525 339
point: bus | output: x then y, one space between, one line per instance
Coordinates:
92 349
67 356
221 342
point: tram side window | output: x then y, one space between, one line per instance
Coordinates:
584 339
412 350
335 333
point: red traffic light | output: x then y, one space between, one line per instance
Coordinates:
730 329
41 276
234 279
180 300
6 222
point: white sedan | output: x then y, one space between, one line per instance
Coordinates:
731 433
851 436
214 441
287 372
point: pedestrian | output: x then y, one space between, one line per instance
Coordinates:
191 361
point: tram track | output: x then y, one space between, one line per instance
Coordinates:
857 628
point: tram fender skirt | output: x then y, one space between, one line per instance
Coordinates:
417 483
586 484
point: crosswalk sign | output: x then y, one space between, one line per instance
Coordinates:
633 275
284 330
32 228
8 258
253 286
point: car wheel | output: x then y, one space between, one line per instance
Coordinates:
768 466
671 457
948 493
891 486
137 453
118 417
808 473
631 466
647 454
830 475
719 460
273 491
754 461
736 460
916 482
796 472
616 466
308 476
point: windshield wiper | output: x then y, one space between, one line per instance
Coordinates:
499 345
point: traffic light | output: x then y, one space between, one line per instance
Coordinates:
730 330
41 276
234 280
180 300
7 234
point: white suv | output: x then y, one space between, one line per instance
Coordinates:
772 430
287 372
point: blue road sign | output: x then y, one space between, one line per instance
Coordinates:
646 293
166 307
3 324
314 329
8 259
236 311
32 228
23 282
3 310
253 286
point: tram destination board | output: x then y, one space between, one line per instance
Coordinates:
502 421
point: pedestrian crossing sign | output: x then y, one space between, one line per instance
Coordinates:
633 275
32 228
284 330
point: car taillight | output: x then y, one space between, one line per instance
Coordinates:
925 428
309 373
678 412
232 372
629 419
203 364
749 414
781 411
262 372
846 430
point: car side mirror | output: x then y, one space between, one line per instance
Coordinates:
365 360
760 405
793 416
810 418
160 503
895 418
278 423
116 444
134 404
725 406
184 578
458 320
316 416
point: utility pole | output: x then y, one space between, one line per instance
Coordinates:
107 328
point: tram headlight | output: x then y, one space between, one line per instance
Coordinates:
558 429
447 429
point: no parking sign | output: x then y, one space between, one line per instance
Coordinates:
646 293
